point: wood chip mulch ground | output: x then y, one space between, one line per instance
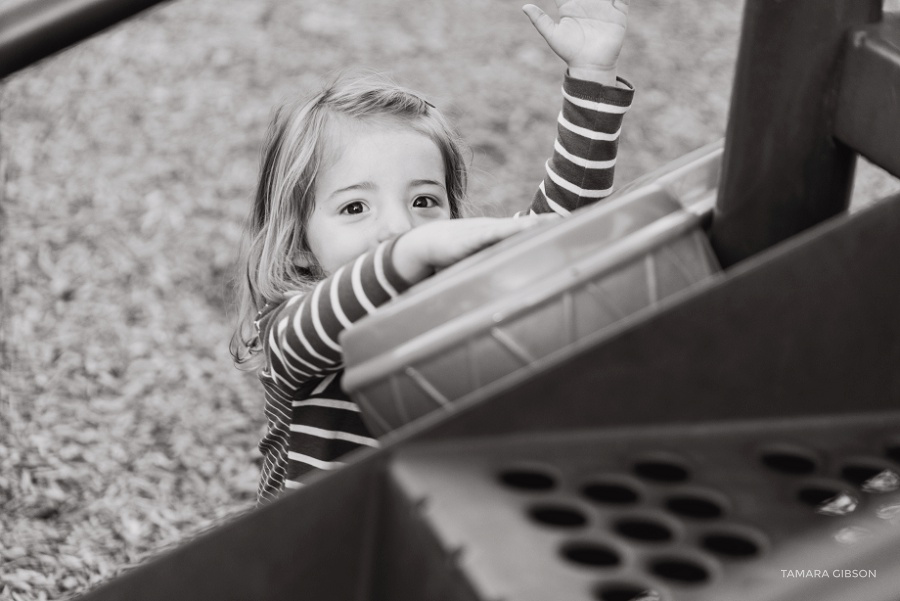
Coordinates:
127 166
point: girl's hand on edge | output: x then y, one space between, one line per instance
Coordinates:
588 37
421 251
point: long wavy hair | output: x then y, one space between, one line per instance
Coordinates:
292 155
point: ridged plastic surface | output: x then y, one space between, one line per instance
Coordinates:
512 306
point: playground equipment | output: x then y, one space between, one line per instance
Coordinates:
31 31
748 425
514 305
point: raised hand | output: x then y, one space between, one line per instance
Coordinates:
588 36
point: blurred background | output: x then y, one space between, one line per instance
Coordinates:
128 165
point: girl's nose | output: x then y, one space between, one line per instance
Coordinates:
394 223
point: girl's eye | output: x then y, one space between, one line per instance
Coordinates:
354 208
424 202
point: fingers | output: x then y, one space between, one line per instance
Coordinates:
534 219
505 227
439 244
541 20
476 233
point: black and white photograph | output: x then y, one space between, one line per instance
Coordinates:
449 300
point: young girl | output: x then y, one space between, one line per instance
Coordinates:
360 196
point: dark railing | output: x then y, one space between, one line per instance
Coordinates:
31 30
782 170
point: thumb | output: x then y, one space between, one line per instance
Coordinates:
541 20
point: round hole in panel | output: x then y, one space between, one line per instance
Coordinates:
625 591
528 479
789 460
643 529
694 506
661 470
679 569
591 554
560 516
871 475
613 493
831 499
892 450
730 544
814 496
858 474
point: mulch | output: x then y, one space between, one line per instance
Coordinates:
128 165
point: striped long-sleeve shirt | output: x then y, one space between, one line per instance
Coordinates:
312 422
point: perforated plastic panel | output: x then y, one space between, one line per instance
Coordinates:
670 514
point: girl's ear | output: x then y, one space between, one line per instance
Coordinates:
304 258
306 261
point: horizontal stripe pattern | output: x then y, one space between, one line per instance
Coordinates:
312 424
321 433
582 166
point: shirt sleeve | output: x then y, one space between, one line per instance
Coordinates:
580 170
300 336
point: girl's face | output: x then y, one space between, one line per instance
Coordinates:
382 179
